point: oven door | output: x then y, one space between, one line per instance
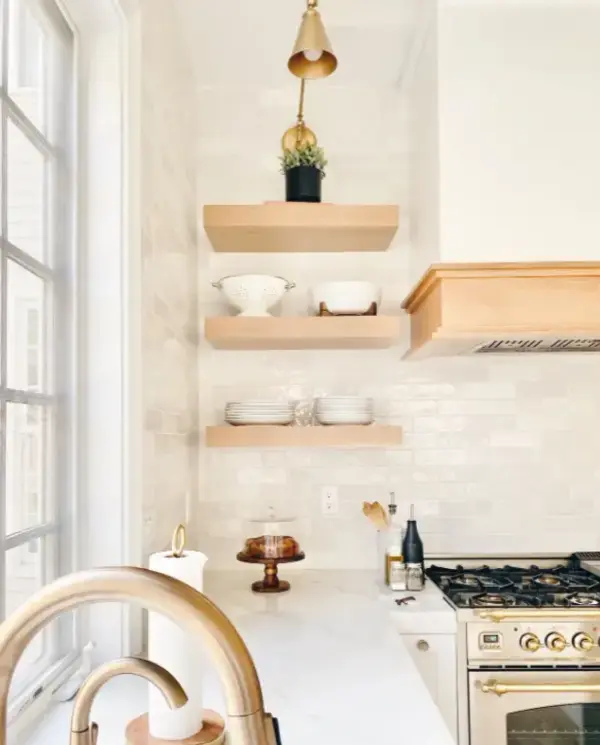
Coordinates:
525 707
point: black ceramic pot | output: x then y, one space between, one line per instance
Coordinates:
303 184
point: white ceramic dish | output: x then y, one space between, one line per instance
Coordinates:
345 297
253 294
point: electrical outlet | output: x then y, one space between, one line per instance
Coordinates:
329 500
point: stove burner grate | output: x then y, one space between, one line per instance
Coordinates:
583 599
493 600
547 580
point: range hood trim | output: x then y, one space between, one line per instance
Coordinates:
441 303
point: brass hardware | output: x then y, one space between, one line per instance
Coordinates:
530 642
190 609
582 642
178 541
501 615
299 134
84 732
555 642
422 645
312 56
500 689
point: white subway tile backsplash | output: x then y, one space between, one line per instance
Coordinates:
499 454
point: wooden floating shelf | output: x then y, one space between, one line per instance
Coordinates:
297 227
339 436
303 332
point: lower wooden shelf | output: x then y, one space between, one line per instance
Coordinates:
335 436
303 332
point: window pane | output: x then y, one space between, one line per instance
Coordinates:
28 568
27 430
25 357
25 187
28 61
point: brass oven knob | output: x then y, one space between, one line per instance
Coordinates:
530 643
556 642
583 642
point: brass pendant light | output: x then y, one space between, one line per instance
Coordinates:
299 134
312 58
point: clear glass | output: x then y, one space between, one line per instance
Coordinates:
27 62
27 571
25 329
27 435
566 724
271 537
26 180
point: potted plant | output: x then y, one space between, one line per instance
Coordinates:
303 167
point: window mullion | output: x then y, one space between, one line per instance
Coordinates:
29 534
27 261
15 114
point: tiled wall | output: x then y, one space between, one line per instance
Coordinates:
499 454
169 297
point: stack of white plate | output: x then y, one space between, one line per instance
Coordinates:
344 410
259 412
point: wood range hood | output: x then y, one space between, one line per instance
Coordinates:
544 307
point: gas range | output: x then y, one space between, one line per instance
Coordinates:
530 613
561 586
528 639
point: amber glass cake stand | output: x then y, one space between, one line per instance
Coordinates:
271 582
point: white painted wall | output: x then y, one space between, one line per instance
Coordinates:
518 116
424 149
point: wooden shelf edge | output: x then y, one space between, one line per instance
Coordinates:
302 332
340 436
298 227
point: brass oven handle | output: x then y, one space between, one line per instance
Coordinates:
501 688
501 615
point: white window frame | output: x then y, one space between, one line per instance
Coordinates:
108 51
52 147
109 419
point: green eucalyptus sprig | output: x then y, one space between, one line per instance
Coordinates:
304 155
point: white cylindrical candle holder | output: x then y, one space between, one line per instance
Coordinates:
173 649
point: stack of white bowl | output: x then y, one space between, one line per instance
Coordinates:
344 410
259 412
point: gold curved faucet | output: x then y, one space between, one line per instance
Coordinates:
247 723
84 732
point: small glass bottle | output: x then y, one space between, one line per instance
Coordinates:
395 568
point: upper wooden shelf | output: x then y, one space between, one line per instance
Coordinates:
298 227
303 332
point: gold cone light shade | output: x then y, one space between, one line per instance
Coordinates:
312 56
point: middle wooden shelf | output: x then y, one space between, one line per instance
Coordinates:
302 332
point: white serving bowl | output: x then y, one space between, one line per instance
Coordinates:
253 294
346 297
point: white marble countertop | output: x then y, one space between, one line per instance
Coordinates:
329 656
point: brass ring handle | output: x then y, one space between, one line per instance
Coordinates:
500 615
178 541
501 688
